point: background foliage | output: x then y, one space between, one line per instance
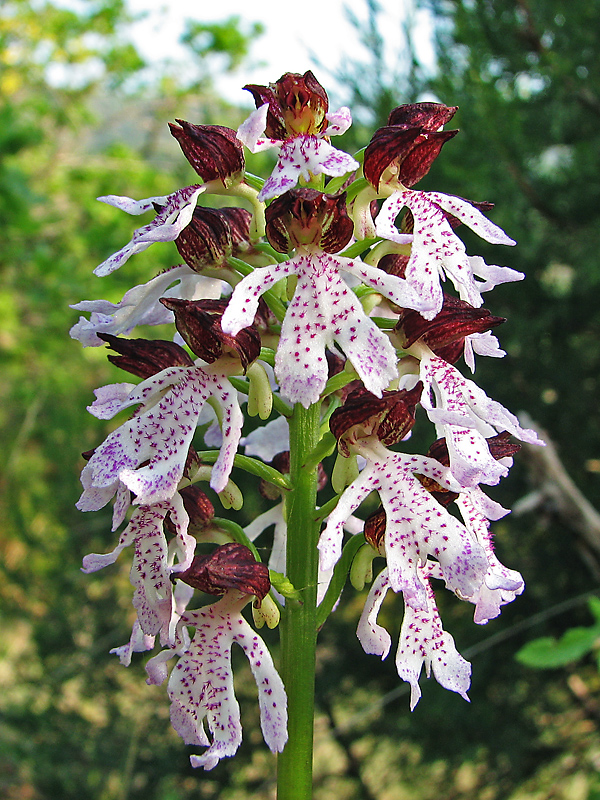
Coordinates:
81 115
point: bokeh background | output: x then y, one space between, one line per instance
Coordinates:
84 106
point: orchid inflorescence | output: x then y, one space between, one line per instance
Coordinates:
321 287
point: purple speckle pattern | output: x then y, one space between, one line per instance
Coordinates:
501 585
299 158
323 310
159 436
422 641
174 216
437 251
417 526
151 567
201 684
465 416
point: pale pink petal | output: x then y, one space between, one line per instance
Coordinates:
373 638
339 121
110 400
131 206
424 641
471 217
268 440
484 344
243 304
175 215
141 306
252 131
302 157
466 416
201 684
501 585
325 310
492 275
139 642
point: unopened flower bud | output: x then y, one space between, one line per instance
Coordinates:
361 571
445 333
402 152
230 567
260 395
199 323
214 151
266 611
143 357
212 236
389 417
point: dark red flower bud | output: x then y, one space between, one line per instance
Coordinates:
390 417
408 144
394 264
199 508
297 104
214 151
303 217
445 333
429 117
212 236
143 357
199 323
375 529
230 567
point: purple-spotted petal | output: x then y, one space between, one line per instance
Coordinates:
252 131
424 641
302 157
159 437
374 639
324 310
174 216
339 121
437 251
201 684
501 585
243 304
417 526
140 305
466 416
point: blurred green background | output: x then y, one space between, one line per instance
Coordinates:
74 723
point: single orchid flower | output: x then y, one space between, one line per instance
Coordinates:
398 156
324 309
293 114
417 525
466 416
153 560
175 214
140 305
201 684
148 453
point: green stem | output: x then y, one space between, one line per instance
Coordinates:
298 623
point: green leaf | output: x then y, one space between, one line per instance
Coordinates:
549 653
